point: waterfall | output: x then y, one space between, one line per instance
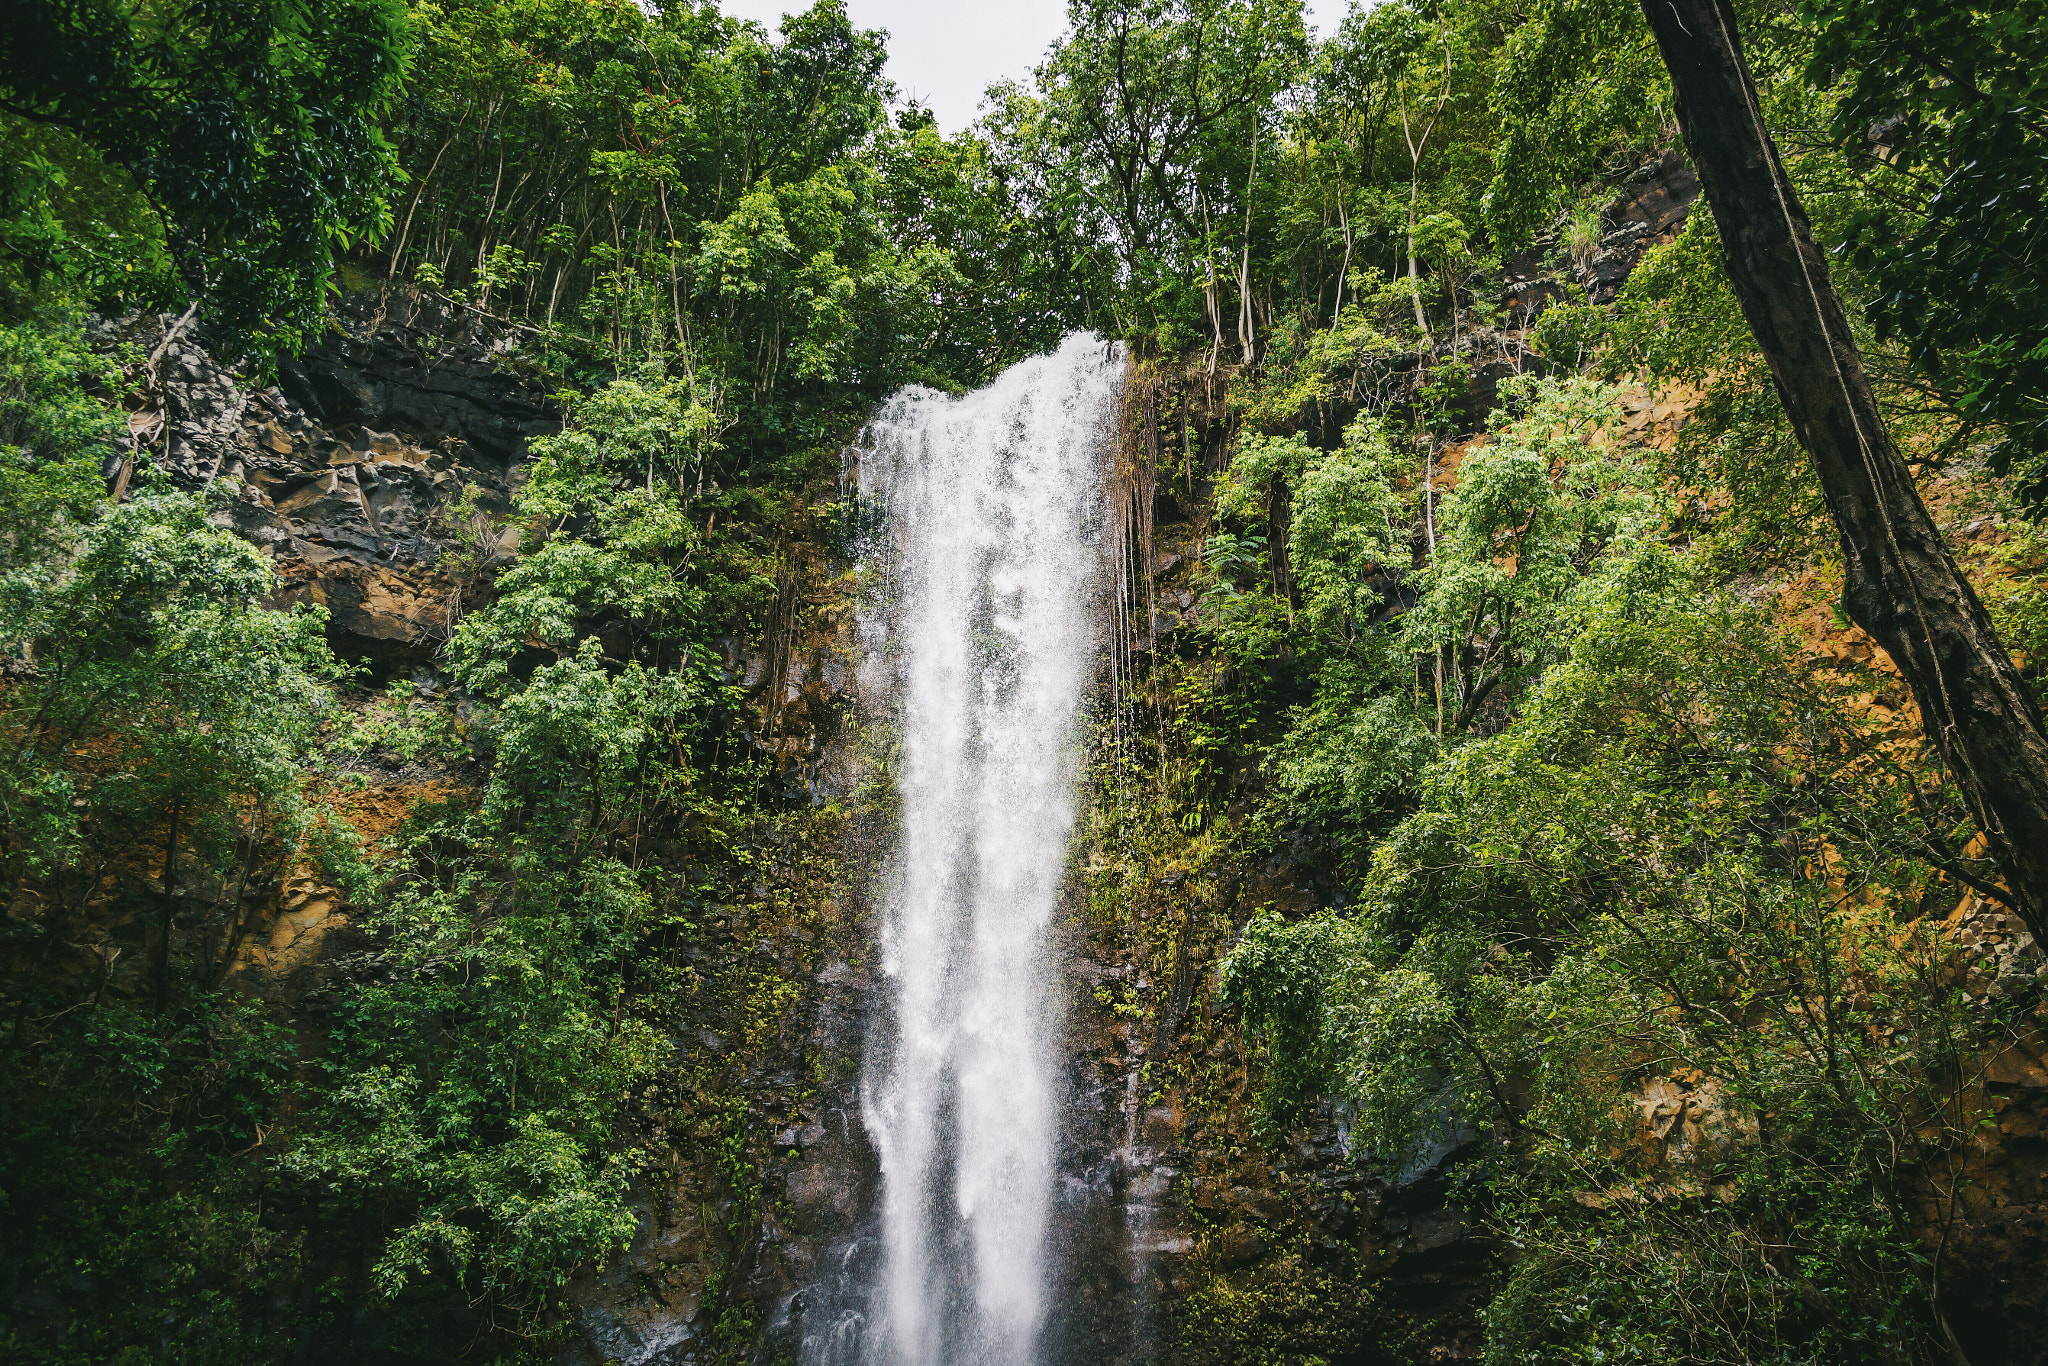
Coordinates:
980 637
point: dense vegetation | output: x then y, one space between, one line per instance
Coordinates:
1538 704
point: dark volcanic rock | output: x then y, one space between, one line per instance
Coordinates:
376 472
1650 210
411 365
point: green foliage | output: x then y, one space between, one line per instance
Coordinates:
1680 861
1149 111
1535 518
153 646
476 1091
1597 831
1579 81
126 1189
1343 526
252 128
690 184
407 723
2017 597
1288 1314
615 490
1677 324
1944 96
74 227
53 434
153 742
1534 509
1276 974
474 1086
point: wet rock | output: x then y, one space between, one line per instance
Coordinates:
1651 209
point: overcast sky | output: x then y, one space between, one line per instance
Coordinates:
944 53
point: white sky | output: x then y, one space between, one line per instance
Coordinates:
944 53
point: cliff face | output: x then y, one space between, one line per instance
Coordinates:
1195 1233
376 473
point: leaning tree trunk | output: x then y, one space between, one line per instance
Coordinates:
1901 584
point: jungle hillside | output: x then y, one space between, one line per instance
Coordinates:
1564 830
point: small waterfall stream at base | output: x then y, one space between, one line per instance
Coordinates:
980 638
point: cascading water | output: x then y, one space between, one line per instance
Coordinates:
980 637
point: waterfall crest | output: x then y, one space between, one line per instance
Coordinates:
979 636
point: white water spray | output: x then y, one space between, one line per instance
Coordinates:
980 636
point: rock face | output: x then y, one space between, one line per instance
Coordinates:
1171 1214
1651 209
717 1271
756 1211
375 472
1985 1215
1189 1237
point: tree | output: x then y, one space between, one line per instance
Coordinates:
1645 872
1901 584
1531 511
1575 81
1417 128
1158 106
252 127
1949 97
155 652
52 438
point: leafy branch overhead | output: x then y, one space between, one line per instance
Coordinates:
255 130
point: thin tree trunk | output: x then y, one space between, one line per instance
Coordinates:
237 924
1414 193
1901 585
57 920
151 388
675 284
1215 304
1415 150
1416 147
1244 269
412 208
1429 530
1344 270
483 237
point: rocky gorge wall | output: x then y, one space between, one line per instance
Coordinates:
376 473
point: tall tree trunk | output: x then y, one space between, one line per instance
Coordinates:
391 270
1414 195
1337 313
1245 325
1901 585
1215 305
1416 147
